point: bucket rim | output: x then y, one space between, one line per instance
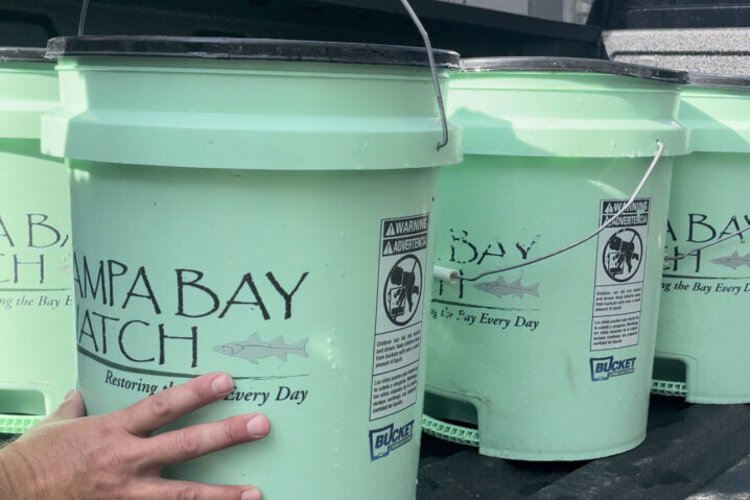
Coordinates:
717 80
23 54
573 65
262 49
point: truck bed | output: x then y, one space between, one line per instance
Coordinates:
699 452
691 451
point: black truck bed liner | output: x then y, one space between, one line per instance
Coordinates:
695 451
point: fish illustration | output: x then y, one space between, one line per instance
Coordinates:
501 288
254 349
734 261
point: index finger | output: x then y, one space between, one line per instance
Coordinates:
148 415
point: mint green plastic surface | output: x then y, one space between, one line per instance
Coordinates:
287 261
515 355
243 124
37 359
703 336
516 115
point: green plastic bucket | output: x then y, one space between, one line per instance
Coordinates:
551 360
260 207
37 359
702 346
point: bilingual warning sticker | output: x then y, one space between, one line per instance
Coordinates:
398 319
620 268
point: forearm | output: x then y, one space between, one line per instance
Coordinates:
17 478
7 490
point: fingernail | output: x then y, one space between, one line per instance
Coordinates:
69 394
222 384
251 494
257 426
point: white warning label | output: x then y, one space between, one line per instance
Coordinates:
398 320
620 267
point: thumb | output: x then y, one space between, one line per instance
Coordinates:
71 407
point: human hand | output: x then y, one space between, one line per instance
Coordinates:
69 456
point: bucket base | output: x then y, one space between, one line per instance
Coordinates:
681 390
713 400
472 437
698 379
559 456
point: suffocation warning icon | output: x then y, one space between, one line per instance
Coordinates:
623 255
403 290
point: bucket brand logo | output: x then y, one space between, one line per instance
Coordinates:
604 368
386 439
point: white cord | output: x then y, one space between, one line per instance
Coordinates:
452 274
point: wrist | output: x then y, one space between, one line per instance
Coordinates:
17 475
7 488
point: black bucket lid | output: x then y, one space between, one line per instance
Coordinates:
573 65
248 48
23 54
720 81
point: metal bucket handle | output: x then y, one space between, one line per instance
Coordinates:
454 276
681 256
82 18
425 39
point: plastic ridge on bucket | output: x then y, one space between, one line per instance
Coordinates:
252 142
702 342
551 358
263 208
37 362
574 130
449 432
667 388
